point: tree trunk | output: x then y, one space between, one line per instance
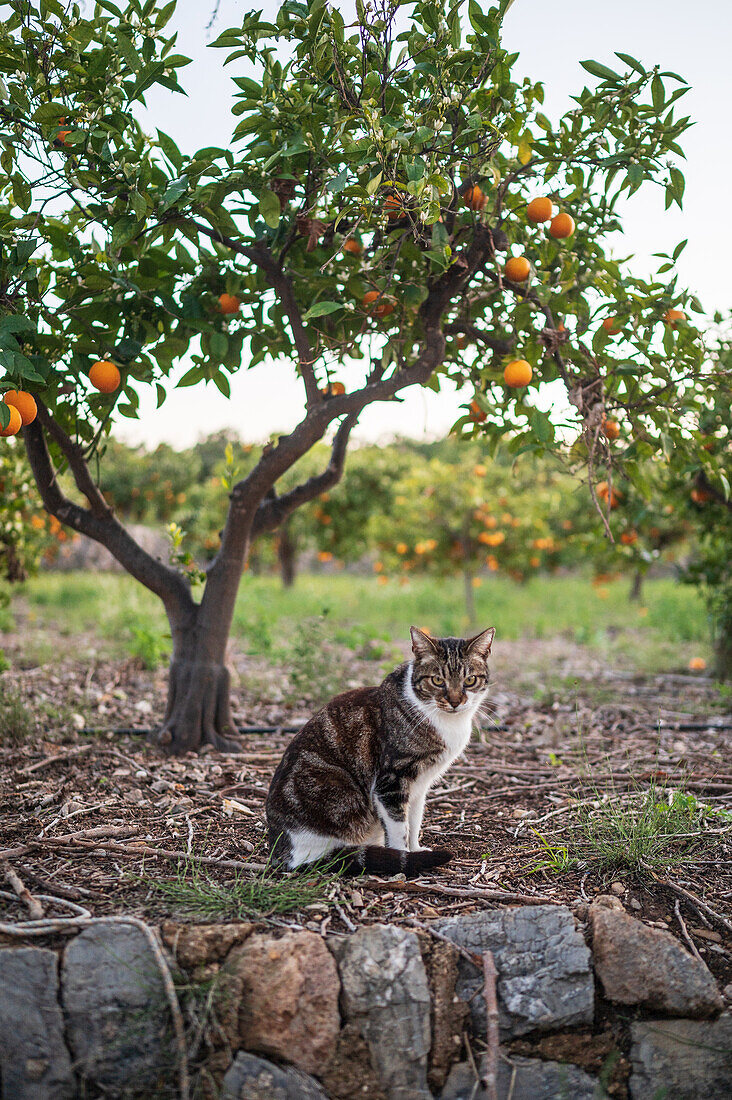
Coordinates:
287 555
723 645
636 588
469 597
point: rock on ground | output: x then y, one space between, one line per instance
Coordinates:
385 993
287 992
195 945
118 1022
524 1079
34 1060
638 965
681 1059
252 1078
544 977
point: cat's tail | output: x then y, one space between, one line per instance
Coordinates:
375 860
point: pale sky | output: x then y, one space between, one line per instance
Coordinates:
552 40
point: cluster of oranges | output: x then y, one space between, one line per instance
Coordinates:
104 377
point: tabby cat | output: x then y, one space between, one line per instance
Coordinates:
352 783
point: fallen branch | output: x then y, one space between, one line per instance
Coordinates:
140 849
491 1013
33 906
691 897
685 931
467 892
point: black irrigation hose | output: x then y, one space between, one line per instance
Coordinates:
143 731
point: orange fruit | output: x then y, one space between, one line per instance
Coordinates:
333 389
629 537
393 207
477 415
603 491
104 376
610 324
697 664
474 197
561 226
517 269
539 210
229 303
325 555
62 135
353 246
517 373
700 496
610 428
672 316
383 307
25 404
14 424
480 470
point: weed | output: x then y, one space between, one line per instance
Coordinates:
4 662
315 664
556 857
265 894
149 646
17 723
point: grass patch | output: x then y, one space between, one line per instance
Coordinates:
267 893
17 722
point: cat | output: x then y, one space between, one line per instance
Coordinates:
352 783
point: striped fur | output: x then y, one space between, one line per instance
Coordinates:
352 783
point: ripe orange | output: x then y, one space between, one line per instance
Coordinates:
517 269
229 303
401 548
561 226
629 537
353 246
610 428
383 307
700 496
480 470
24 402
610 324
62 135
477 415
697 664
333 389
393 207
517 373
474 197
672 316
539 210
603 491
104 376
14 424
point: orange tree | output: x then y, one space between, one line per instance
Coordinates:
404 133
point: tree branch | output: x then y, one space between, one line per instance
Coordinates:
165 582
500 346
77 464
274 510
282 286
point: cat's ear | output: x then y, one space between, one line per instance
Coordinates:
422 644
481 643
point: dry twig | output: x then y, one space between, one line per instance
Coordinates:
491 1013
33 906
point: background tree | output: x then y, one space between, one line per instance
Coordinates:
404 134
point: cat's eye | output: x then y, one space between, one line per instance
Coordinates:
470 681
437 681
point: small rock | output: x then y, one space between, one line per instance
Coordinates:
117 1018
544 977
78 721
635 904
644 966
280 997
34 1060
608 901
727 993
386 995
618 888
252 1078
142 706
523 1079
200 944
681 1059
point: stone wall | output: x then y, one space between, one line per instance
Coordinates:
608 1008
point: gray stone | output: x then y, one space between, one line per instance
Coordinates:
118 1021
681 1059
34 1061
543 964
645 966
252 1078
524 1079
385 993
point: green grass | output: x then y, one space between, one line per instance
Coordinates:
670 624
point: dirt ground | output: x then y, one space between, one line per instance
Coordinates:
101 820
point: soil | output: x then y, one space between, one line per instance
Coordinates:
86 813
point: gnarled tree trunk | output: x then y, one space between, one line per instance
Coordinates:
286 555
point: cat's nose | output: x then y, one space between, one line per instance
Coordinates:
456 701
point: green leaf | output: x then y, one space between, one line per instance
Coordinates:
219 345
4 415
170 149
596 69
658 93
322 309
269 208
222 383
634 64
